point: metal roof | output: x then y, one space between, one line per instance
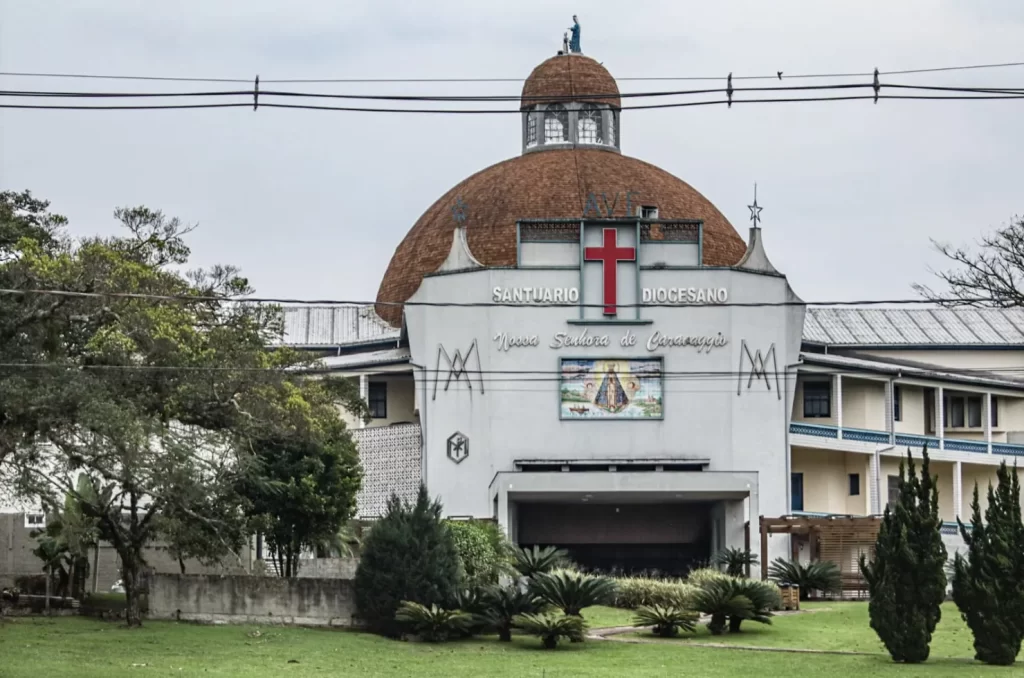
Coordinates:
909 369
335 326
914 327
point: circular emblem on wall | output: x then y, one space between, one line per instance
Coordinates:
458 447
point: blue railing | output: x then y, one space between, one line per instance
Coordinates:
904 439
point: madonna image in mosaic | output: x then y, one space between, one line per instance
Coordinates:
611 389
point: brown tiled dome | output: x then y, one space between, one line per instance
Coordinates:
552 184
570 77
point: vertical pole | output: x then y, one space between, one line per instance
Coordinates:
940 415
988 421
839 405
958 489
764 548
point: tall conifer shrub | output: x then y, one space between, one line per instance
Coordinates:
408 555
988 586
906 578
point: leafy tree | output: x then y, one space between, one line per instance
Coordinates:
821 575
407 556
484 552
735 560
988 586
152 382
906 578
67 540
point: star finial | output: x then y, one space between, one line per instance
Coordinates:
459 211
755 211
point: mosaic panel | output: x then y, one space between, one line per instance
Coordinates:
391 465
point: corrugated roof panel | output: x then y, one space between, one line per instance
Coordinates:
999 320
935 332
951 321
334 326
813 331
879 321
832 323
859 327
978 322
1016 317
904 323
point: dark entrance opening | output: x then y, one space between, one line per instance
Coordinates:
667 539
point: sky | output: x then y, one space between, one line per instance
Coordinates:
312 204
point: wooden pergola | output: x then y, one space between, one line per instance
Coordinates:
829 537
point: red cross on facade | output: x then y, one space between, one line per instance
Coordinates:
610 254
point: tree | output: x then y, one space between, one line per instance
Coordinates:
907 578
153 382
993 275
67 540
988 586
311 493
407 556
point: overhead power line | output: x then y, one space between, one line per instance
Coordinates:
486 304
774 76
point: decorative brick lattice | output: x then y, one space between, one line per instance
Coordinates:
670 232
549 232
391 464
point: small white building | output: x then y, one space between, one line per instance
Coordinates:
580 346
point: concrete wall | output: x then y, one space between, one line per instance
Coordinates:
827 482
401 401
328 568
247 599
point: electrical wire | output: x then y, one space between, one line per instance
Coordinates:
775 76
487 304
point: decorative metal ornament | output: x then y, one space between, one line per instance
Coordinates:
459 211
755 211
458 447
755 366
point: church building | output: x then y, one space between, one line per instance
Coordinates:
580 346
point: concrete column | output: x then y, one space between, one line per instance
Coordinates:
958 489
890 405
839 405
873 484
940 416
988 421
364 393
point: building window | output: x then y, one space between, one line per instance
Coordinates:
854 484
897 403
648 212
531 129
35 521
894 490
963 411
588 125
817 399
556 124
797 481
994 414
612 117
377 399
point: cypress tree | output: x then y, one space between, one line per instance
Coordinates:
408 555
906 578
988 586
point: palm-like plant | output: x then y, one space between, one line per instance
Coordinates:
533 561
503 603
551 628
475 602
763 598
432 624
822 575
720 599
735 560
666 619
572 591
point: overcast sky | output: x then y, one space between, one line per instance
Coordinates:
312 204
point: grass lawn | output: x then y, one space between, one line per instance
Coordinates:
85 648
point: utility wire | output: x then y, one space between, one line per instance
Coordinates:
486 304
775 76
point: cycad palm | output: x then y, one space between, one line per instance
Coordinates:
721 600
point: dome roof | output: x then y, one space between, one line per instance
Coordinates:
570 77
553 184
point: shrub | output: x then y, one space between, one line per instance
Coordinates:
735 560
704 576
572 591
407 556
551 628
474 602
763 596
432 624
907 579
666 620
484 553
987 586
533 561
822 575
503 603
719 599
633 592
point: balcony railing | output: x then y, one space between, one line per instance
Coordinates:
904 439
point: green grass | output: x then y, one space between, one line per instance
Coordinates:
86 648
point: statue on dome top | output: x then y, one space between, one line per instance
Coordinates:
574 43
